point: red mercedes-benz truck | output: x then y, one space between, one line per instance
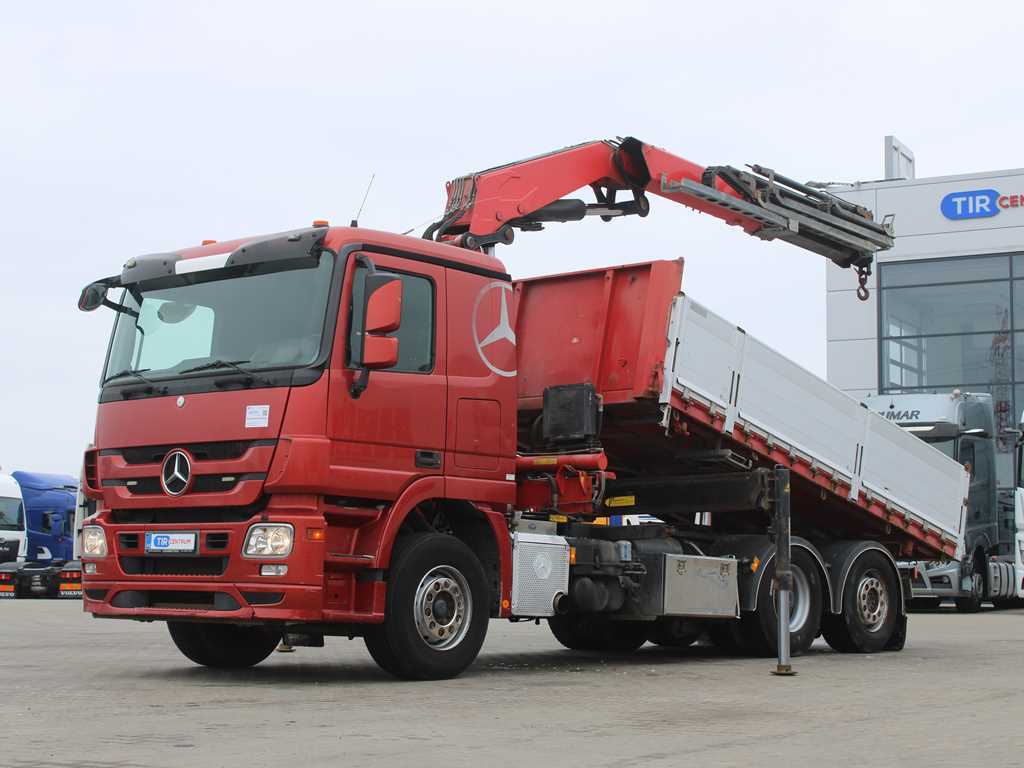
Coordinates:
339 431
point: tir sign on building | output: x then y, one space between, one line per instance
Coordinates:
947 302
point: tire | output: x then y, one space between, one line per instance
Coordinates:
576 631
972 603
436 611
728 637
674 632
760 628
377 644
623 636
871 597
223 646
594 632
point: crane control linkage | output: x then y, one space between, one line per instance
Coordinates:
484 209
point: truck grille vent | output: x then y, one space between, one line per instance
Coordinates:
173 566
186 515
128 540
154 454
149 486
183 600
216 541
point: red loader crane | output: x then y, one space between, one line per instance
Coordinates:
486 208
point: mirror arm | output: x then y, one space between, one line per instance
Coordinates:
120 308
360 382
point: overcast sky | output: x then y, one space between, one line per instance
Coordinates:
141 126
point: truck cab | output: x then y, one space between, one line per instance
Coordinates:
962 426
47 567
12 533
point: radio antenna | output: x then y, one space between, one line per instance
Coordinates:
355 221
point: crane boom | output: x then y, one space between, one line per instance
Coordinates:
485 208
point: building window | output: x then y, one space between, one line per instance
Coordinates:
949 323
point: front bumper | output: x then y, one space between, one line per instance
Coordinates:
216 582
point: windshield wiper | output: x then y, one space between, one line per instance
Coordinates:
236 364
249 376
136 372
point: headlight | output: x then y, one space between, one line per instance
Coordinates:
269 541
94 541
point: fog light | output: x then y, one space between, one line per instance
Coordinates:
89 568
94 542
269 541
273 570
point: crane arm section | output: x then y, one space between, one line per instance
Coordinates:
484 208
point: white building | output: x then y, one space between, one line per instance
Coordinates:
947 302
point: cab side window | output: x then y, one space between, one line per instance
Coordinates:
416 333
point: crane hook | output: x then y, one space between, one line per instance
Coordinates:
862 282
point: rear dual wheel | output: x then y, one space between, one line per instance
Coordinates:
756 632
870 612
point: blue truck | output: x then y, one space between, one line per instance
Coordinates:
45 564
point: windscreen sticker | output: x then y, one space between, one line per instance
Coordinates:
257 416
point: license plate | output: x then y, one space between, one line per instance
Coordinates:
171 541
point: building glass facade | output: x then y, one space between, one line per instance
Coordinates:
956 323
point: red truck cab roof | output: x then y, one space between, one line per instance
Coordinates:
339 237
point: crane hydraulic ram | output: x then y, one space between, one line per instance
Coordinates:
485 208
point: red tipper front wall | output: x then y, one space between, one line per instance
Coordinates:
611 326
606 327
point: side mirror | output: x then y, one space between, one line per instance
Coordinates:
380 352
382 314
383 303
93 296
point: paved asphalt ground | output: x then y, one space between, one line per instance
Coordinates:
77 692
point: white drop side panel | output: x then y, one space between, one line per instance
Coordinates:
754 385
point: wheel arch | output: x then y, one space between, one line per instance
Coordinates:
841 556
477 525
761 547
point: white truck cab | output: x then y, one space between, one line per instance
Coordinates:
12 533
962 426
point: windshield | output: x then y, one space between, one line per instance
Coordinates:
947 446
12 515
249 317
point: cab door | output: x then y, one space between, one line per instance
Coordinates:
392 432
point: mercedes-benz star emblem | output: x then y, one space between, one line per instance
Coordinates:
501 332
175 473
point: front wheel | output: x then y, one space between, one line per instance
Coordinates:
223 646
436 612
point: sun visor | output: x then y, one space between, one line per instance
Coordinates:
284 246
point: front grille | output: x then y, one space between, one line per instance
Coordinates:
173 566
128 540
186 515
154 454
148 486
